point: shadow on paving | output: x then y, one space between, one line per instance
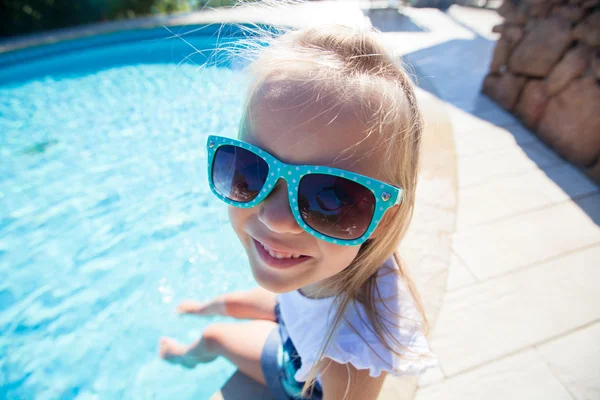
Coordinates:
458 83
389 20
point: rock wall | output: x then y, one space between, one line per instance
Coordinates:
546 71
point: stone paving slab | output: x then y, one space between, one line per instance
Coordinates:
575 360
524 376
476 138
478 20
426 248
458 274
504 246
476 103
427 245
431 377
492 115
492 319
517 194
480 118
512 160
242 387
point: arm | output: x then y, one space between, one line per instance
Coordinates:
256 303
343 381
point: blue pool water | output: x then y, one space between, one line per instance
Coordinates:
106 218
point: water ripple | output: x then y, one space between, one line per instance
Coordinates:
106 221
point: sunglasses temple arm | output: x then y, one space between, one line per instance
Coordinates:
399 198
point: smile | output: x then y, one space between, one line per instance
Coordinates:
278 254
278 258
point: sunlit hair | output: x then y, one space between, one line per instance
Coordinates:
353 65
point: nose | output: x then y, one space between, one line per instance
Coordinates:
275 212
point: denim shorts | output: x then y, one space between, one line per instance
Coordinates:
280 361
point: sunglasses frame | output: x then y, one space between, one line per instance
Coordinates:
386 195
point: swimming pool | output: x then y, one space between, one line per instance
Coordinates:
106 217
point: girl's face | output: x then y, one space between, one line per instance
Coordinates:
299 127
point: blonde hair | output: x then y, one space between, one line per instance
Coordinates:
353 64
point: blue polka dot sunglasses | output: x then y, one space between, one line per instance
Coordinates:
334 205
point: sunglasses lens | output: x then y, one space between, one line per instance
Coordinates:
238 174
335 206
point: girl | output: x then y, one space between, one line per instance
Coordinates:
320 189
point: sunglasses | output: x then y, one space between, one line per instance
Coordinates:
334 205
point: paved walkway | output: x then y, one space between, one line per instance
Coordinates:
520 318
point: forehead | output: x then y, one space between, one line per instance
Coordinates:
299 124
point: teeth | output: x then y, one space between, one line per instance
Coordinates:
277 255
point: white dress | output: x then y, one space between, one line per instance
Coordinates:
306 322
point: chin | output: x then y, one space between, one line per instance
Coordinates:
272 280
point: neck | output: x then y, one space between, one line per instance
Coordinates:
317 290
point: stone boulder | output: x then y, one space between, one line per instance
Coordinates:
596 65
500 57
504 88
498 28
540 10
513 34
570 13
541 47
532 102
573 64
590 4
589 30
513 14
594 172
571 122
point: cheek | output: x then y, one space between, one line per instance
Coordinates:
238 217
336 258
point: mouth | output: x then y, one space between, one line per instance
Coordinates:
278 258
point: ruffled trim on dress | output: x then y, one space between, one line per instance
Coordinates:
367 352
414 359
